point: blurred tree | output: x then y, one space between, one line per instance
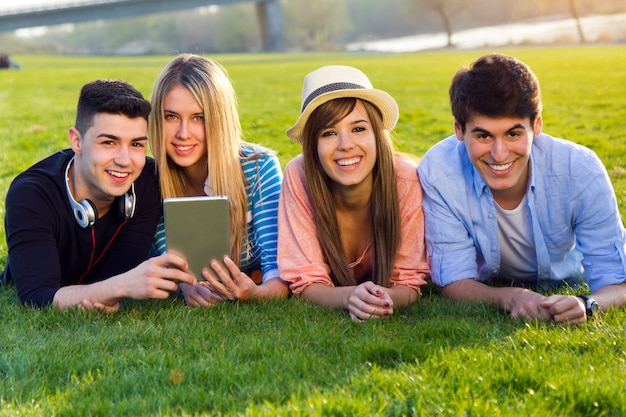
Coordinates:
375 19
237 29
574 12
315 25
444 9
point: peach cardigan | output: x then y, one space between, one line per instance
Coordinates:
300 258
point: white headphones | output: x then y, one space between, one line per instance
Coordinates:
85 211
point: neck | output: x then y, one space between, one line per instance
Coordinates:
196 177
352 198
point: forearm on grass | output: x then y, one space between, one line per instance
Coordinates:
471 290
322 294
610 296
103 292
273 288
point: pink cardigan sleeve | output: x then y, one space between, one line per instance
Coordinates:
411 267
300 258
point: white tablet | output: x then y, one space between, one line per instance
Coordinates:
197 228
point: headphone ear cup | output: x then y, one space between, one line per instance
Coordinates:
127 204
85 213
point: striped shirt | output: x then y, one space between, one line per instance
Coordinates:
263 177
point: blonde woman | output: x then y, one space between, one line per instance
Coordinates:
196 138
351 227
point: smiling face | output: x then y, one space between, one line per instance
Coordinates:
109 158
499 148
347 150
185 134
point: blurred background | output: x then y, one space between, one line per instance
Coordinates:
323 25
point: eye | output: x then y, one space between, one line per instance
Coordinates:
327 133
198 118
170 117
139 144
359 129
482 137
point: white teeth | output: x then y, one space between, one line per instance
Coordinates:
119 174
501 167
348 162
184 148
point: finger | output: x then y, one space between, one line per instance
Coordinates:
216 285
165 284
228 274
355 318
210 295
197 300
374 295
223 274
233 269
364 311
178 276
172 260
207 294
107 309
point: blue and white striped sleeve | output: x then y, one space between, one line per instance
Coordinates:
158 244
266 176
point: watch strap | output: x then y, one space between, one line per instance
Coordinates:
590 303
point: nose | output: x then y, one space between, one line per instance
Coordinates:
183 130
499 150
346 141
123 156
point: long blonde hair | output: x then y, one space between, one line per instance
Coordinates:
208 82
385 224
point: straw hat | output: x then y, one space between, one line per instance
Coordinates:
338 81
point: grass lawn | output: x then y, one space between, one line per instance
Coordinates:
162 358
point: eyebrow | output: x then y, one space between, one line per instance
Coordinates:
114 137
481 130
358 121
200 113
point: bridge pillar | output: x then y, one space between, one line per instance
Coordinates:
270 15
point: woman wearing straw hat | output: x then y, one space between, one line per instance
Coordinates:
196 139
350 221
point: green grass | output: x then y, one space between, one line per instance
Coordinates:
289 357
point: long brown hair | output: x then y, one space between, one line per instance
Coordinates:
385 224
208 82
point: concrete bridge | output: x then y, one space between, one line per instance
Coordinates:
269 13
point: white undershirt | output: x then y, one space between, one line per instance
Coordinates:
518 257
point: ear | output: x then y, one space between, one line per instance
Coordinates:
538 125
75 139
458 130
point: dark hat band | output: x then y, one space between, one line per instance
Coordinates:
328 89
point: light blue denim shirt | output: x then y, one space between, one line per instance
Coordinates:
578 232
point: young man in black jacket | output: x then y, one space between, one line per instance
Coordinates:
79 224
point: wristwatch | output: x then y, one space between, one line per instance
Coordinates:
591 306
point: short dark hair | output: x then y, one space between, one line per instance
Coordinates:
495 85
112 97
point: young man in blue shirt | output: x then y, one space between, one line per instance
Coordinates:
510 210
